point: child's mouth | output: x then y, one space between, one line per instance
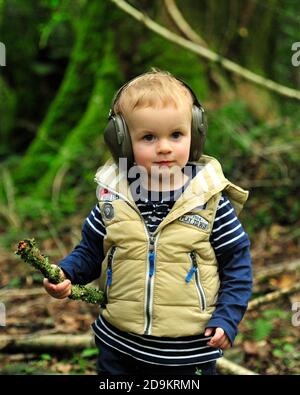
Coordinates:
164 163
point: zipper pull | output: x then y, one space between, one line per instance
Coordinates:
190 274
193 268
109 276
109 266
151 263
152 242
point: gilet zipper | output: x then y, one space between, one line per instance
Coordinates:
149 283
110 259
152 240
194 271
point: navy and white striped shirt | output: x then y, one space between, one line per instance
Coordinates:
159 351
231 245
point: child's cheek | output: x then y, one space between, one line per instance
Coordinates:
142 155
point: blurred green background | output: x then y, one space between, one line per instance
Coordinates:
65 60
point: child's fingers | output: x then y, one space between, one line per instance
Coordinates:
56 287
219 333
217 338
225 344
208 331
61 290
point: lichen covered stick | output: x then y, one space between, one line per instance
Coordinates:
29 252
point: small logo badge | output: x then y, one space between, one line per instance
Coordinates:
108 211
106 195
195 220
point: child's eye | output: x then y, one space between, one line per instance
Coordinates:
177 134
148 137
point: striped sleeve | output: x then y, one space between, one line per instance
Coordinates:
95 223
227 230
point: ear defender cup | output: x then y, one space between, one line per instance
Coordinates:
198 133
117 137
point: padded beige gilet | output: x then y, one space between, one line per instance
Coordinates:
165 303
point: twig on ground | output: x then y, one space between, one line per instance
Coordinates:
228 367
12 343
272 297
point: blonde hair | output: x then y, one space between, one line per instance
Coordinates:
153 89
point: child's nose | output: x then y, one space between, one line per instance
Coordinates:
164 146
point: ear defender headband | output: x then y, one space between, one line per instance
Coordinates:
117 137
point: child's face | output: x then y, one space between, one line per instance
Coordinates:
161 138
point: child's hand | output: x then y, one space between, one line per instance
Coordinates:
58 291
219 339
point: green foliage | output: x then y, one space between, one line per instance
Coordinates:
15 282
287 353
19 30
45 357
263 327
229 134
86 359
84 136
73 95
260 152
70 363
89 352
54 178
276 313
62 16
174 59
287 32
7 116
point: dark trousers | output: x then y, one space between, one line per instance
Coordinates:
113 362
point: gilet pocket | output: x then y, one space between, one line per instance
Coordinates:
194 274
109 269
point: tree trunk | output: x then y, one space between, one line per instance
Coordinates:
84 139
73 96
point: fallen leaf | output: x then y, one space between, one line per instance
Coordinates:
295 298
286 280
63 368
260 348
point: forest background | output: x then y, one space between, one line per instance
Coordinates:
64 60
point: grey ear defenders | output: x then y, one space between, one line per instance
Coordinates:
117 137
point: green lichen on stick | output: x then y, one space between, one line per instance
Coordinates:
30 253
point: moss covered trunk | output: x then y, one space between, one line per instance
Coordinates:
83 141
73 96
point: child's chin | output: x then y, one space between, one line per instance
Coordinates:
163 170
